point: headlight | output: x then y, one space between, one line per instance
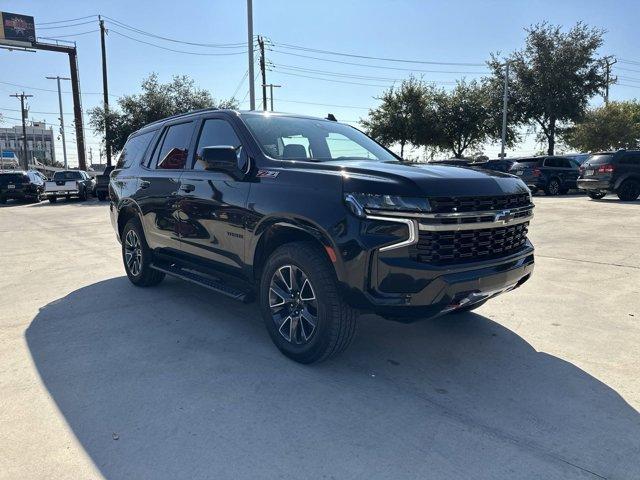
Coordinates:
361 202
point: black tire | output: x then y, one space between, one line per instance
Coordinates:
553 187
83 195
335 320
629 190
141 275
102 196
596 195
53 199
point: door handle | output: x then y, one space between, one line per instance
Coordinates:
144 184
187 187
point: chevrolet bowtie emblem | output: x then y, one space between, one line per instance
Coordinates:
504 216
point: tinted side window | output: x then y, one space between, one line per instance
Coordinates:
133 150
631 159
565 163
215 133
172 152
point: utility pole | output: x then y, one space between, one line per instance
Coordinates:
105 92
252 93
64 145
264 73
505 102
22 96
609 62
271 87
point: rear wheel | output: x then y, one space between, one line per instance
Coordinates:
102 196
629 190
553 187
137 256
83 194
302 308
53 199
596 195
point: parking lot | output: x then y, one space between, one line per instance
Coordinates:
102 379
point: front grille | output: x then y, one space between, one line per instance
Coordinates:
453 247
476 204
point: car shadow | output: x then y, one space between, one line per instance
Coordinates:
178 382
91 202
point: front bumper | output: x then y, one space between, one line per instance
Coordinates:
594 184
432 291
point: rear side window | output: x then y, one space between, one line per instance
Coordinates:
134 149
173 149
631 159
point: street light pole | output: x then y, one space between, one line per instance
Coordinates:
271 87
64 145
252 94
505 101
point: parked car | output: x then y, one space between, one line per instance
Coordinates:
553 175
317 221
101 188
498 165
69 183
21 185
579 158
617 172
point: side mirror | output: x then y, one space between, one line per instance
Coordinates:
222 158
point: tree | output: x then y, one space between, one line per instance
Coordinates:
553 77
464 118
609 127
157 101
405 116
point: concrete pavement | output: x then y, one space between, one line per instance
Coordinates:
99 379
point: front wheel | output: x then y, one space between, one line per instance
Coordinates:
137 256
629 190
102 196
303 310
83 195
596 195
53 199
553 188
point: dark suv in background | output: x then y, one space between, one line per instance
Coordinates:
553 175
21 185
617 172
317 221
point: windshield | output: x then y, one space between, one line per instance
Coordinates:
600 159
292 138
67 176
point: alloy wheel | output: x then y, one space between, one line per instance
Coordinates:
554 187
293 304
133 253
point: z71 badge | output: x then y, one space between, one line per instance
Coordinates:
267 173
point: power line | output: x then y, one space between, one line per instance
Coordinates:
374 66
368 57
48 89
68 35
68 20
332 80
149 34
628 69
627 85
206 54
65 26
244 77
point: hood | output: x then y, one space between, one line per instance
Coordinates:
413 179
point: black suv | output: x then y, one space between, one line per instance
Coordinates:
553 175
617 172
317 221
21 185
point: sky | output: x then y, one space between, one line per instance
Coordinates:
454 32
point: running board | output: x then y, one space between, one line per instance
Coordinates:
215 284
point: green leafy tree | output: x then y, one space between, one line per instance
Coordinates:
156 101
609 127
464 118
553 77
405 116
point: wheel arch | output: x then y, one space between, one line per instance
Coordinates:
127 211
276 232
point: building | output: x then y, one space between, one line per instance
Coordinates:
40 142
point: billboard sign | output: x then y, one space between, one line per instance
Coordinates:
17 30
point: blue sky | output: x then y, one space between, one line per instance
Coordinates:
454 31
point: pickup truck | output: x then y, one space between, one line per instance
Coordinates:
69 183
101 189
316 221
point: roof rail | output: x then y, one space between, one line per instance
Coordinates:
178 115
